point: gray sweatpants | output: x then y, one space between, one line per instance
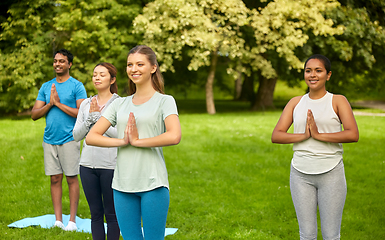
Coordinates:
328 191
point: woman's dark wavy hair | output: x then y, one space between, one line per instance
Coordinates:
156 77
113 71
323 59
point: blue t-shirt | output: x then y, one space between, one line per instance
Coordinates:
59 125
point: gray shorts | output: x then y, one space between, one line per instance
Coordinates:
62 158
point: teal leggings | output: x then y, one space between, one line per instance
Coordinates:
151 207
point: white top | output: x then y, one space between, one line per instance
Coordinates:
141 169
94 157
312 156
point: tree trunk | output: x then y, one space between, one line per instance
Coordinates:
247 92
238 86
265 94
210 105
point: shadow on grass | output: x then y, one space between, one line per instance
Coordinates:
15 116
191 106
198 106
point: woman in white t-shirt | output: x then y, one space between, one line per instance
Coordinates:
146 121
317 176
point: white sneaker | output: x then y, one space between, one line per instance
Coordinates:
71 226
59 224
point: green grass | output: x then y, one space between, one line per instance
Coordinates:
228 181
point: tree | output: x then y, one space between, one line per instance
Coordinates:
202 29
357 54
94 31
22 61
279 28
212 28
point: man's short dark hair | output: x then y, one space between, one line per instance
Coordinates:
66 53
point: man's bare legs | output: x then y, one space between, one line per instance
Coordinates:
73 188
57 192
56 195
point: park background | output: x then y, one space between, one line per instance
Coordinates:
232 66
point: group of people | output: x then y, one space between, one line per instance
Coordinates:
122 167
125 186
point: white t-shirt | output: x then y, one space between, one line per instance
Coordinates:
312 156
141 169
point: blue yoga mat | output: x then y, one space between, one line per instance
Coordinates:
47 221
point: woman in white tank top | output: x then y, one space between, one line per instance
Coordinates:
317 175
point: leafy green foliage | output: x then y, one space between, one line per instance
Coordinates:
267 39
282 26
99 31
207 26
199 27
23 63
251 39
94 31
357 55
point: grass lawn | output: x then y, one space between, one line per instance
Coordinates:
228 181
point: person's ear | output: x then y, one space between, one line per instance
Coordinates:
329 75
153 69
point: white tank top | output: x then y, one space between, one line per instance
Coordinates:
312 156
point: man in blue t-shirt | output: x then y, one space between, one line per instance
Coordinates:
59 101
